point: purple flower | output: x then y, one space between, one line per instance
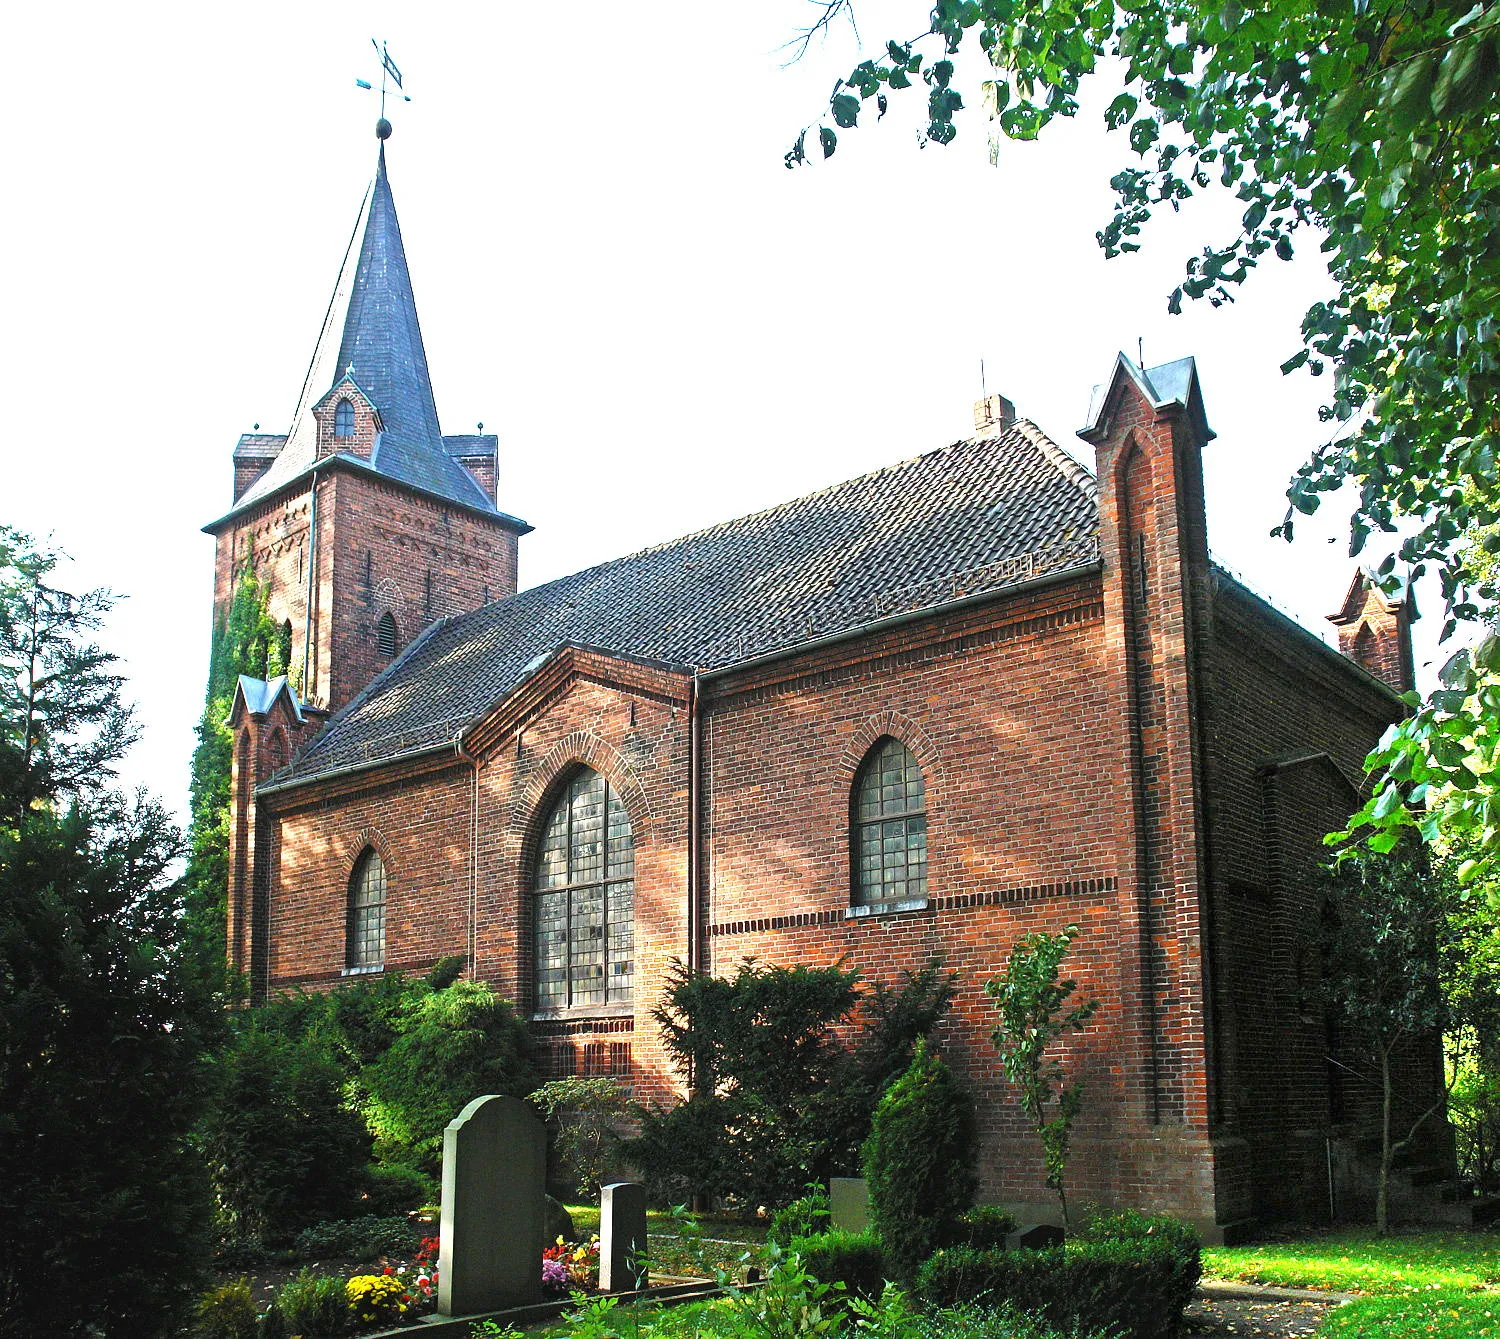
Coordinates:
555 1275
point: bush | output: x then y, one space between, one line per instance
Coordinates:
451 1045
1132 1288
981 1227
854 1259
273 1324
282 1149
391 1189
584 1117
226 1312
807 1216
358 1239
315 1306
769 1070
919 1161
1133 1226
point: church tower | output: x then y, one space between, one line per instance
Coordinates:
364 523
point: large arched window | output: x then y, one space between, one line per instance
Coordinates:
585 899
366 933
889 827
343 419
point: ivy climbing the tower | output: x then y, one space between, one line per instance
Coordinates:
245 641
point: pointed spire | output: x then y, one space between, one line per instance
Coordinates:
371 337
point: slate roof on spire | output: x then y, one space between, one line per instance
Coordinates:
371 334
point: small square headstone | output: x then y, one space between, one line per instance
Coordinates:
622 1237
849 1203
494 1191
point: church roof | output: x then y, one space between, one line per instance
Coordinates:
985 513
371 336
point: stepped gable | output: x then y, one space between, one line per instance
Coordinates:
980 515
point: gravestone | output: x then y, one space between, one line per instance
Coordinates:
622 1237
849 1203
1034 1237
494 1217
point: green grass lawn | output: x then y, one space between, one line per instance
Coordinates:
1363 1262
1434 1315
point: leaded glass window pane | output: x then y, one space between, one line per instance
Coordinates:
366 929
890 827
585 899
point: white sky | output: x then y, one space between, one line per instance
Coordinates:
614 272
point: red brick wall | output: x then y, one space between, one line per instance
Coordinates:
1288 729
381 548
391 550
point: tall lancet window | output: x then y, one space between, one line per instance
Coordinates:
366 931
343 419
585 899
889 827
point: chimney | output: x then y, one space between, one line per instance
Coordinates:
992 412
1375 631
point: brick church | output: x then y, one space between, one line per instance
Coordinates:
978 692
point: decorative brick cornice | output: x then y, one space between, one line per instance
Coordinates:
1036 892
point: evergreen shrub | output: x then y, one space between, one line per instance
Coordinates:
1132 1225
450 1046
982 1226
315 1306
391 1189
226 1312
1129 1288
357 1239
806 1216
919 1162
282 1148
854 1259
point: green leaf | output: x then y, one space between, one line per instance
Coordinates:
845 109
828 139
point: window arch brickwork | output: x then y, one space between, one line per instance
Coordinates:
583 891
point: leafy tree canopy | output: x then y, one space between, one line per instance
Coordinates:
1369 127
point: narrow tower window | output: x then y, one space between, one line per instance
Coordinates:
889 827
585 899
343 419
386 639
366 931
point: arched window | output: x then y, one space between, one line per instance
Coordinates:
343 419
585 899
366 935
386 637
889 827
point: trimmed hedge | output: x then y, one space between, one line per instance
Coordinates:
983 1226
359 1239
1127 1274
854 1259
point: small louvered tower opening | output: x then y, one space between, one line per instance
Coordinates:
385 634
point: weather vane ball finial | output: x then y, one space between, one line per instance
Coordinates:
382 129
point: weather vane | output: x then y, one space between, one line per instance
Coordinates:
389 74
